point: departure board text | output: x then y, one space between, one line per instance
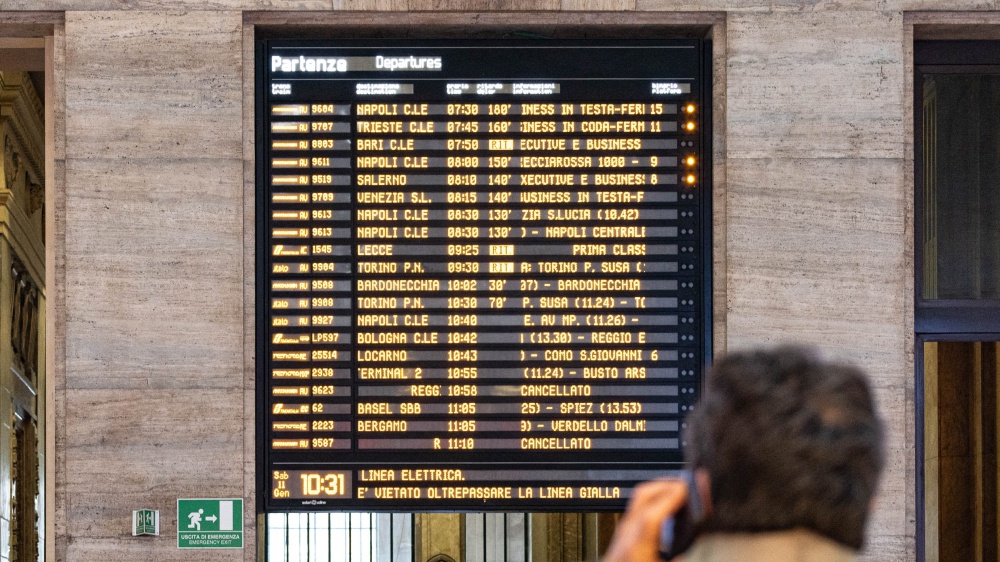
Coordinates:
483 270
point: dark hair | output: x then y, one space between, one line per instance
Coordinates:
789 440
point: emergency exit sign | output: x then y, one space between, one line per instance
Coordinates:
209 523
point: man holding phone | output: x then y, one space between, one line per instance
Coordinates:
786 451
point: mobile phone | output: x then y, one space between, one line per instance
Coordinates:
677 533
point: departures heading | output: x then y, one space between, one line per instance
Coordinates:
483 271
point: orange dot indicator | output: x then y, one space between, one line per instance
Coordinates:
689 160
689 125
690 178
689 108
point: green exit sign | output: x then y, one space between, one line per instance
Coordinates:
145 522
210 523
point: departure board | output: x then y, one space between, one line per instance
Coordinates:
483 273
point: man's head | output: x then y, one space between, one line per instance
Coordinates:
788 440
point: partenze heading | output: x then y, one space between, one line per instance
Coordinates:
307 64
344 64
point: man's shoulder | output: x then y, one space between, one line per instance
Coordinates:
796 545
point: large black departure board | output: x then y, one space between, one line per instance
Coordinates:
483 270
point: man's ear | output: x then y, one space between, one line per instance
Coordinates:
703 482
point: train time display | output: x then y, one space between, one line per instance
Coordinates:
483 272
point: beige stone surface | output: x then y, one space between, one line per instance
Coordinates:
943 5
294 5
374 5
128 443
816 255
909 393
599 5
266 5
249 280
145 85
815 85
719 190
58 95
882 547
767 5
17 24
224 5
137 5
153 275
953 25
466 24
166 309
128 549
55 518
481 5
155 207
502 5
290 5
890 508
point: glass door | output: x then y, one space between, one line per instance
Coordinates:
438 537
960 436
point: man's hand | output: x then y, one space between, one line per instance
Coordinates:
637 538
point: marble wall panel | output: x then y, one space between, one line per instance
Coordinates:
813 5
815 253
599 5
139 5
501 5
166 237
128 549
765 5
122 450
889 513
154 258
249 213
145 451
908 5
372 5
595 5
815 85
481 5
144 85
